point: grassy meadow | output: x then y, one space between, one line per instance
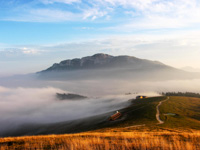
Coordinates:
186 112
107 141
139 130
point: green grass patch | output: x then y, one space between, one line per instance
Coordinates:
142 111
186 110
178 113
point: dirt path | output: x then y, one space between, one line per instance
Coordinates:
157 115
158 112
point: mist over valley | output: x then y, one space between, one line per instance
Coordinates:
104 80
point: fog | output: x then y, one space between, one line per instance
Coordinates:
20 106
27 99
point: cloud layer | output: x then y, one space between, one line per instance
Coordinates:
20 106
35 102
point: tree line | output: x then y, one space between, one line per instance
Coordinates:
188 94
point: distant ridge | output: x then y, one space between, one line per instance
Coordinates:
103 61
104 66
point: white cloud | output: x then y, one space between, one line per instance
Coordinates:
151 22
93 13
30 51
45 15
60 1
157 14
19 52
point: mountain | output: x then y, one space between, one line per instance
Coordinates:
103 61
105 66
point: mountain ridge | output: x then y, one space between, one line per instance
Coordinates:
102 61
107 67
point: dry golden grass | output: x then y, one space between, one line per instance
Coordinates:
107 141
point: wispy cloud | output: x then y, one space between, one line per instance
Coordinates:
93 13
149 14
164 48
15 52
44 15
157 14
60 1
30 51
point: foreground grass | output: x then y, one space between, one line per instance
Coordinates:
107 141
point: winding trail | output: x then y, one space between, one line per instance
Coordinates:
158 111
157 114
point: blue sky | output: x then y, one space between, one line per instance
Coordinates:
36 33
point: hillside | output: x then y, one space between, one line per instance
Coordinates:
140 112
177 113
181 116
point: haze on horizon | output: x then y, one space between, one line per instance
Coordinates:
37 33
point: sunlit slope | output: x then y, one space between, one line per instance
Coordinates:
142 111
181 112
177 113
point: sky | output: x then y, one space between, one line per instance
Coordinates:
34 34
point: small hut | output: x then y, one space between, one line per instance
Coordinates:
141 97
115 116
